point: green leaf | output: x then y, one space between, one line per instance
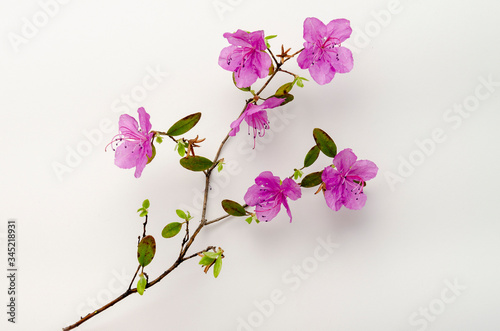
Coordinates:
284 89
141 284
205 260
244 89
297 174
153 148
270 37
311 156
181 214
146 250
211 255
196 163
312 179
233 208
220 166
143 213
252 218
140 209
299 82
184 125
181 148
145 204
171 230
325 143
217 266
288 98
159 140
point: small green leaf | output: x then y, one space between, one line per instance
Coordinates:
141 284
181 214
233 208
159 140
284 89
146 250
196 163
249 220
171 230
181 148
205 260
153 148
325 143
312 179
270 37
145 204
271 71
299 82
184 125
217 266
297 174
220 166
311 156
244 89
211 255
140 209
143 213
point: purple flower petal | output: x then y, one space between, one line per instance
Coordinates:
144 120
291 189
127 123
322 72
344 160
339 29
341 59
364 169
314 30
239 38
126 154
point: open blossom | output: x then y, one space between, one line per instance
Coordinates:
344 184
256 117
322 53
246 57
134 143
268 195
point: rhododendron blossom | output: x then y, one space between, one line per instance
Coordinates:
322 53
268 194
256 117
344 184
246 57
134 143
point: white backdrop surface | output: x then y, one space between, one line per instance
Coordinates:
422 102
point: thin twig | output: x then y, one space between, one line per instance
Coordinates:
222 217
133 278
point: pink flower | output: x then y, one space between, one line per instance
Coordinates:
268 194
246 57
134 142
344 185
322 53
256 117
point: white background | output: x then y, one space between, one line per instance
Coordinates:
439 224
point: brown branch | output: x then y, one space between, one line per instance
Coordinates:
203 222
